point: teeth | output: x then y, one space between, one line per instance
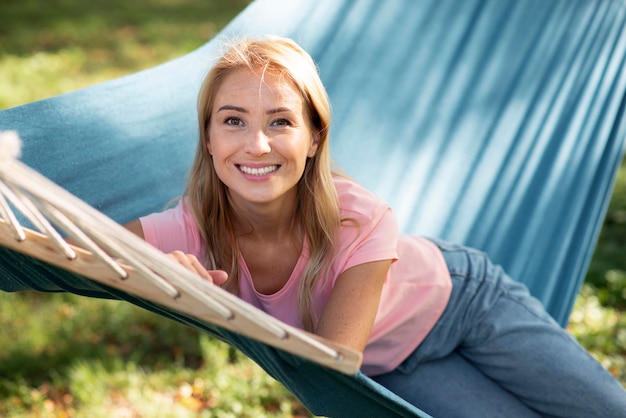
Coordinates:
258 171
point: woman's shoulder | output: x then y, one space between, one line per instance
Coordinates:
173 229
356 199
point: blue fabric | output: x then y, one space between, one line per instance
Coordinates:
495 352
497 124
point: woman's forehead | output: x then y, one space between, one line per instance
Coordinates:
246 86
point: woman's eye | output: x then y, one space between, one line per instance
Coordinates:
233 121
281 122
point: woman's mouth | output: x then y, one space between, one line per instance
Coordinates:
258 171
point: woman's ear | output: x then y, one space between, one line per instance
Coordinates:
314 145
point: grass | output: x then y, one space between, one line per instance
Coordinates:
57 46
67 356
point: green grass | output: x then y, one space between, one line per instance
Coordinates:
52 47
598 321
66 356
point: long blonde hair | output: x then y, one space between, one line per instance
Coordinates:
317 204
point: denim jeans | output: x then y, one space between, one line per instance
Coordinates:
496 352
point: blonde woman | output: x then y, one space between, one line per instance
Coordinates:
265 217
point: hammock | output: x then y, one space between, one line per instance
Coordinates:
498 124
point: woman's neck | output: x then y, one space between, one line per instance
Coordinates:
272 222
270 240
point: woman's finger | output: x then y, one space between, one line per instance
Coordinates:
192 263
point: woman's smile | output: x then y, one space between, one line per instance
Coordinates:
258 171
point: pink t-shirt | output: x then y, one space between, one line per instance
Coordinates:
414 295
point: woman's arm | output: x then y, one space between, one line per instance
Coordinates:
135 227
349 314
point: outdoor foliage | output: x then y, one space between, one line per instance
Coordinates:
68 356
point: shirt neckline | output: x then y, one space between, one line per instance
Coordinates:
293 278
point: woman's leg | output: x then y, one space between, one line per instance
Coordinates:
505 333
537 360
452 387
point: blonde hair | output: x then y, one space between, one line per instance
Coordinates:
317 204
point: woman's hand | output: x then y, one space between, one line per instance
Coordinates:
189 261
192 264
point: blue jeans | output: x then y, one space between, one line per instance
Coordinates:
495 352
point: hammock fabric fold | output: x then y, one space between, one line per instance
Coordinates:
497 124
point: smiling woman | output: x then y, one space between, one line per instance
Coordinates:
265 212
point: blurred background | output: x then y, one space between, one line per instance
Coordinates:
67 356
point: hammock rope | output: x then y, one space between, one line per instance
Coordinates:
111 255
7 213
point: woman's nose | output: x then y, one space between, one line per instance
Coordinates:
258 143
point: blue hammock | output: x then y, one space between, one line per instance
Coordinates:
498 124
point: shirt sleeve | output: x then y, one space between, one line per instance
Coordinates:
375 242
173 230
369 229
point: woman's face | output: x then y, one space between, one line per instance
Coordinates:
260 139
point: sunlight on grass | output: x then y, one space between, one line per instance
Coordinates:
128 390
61 70
69 45
602 331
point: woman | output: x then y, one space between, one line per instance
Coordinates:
265 217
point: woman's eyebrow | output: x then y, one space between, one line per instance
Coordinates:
232 107
242 110
278 110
